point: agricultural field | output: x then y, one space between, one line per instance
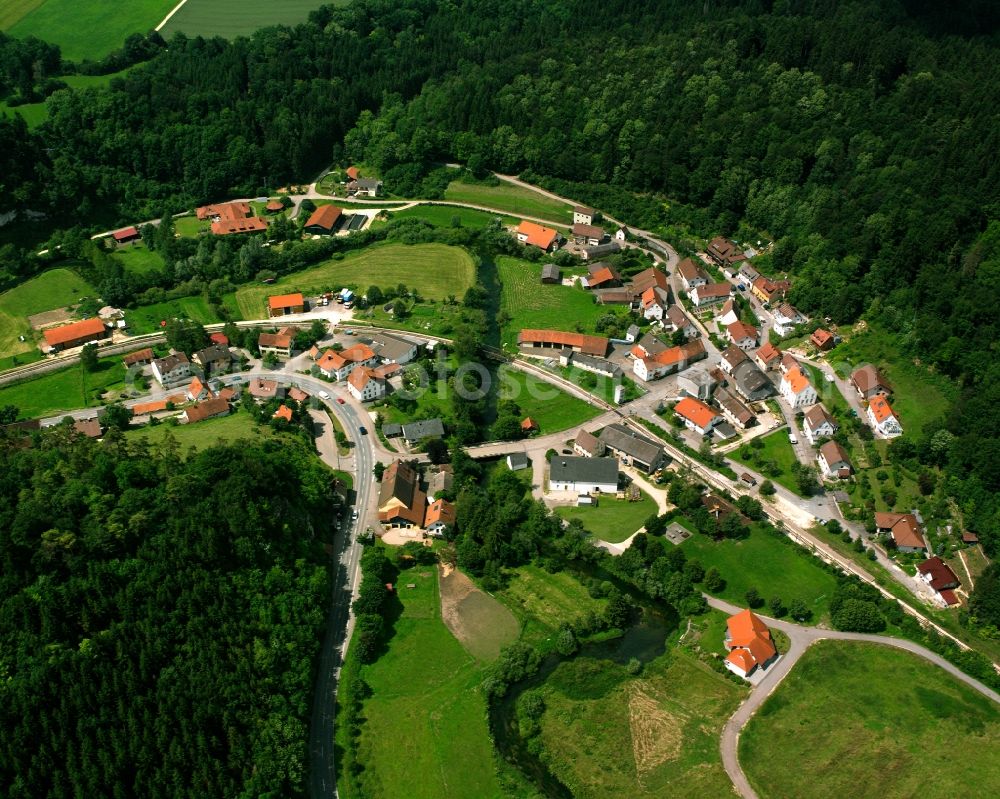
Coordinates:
606 733
148 318
435 270
899 723
480 623
552 408
424 733
515 200
65 389
445 216
530 304
768 562
55 288
232 18
777 450
203 434
138 258
612 519
83 29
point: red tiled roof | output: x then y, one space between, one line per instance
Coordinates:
695 411
225 211
768 352
904 528
127 233
538 235
821 337
137 356
353 172
949 597
744 627
207 409
274 206
880 407
589 345
297 394
280 301
440 511
325 216
601 276
149 407
942 577
797 381
74 331
219 338
360 376
281 340
227 227
743 659
283 412
741 330
529 424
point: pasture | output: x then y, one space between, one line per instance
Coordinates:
605 733
148 318
65 389
202 434
552 408
530 304
424 733
903 727
435 270
138 258
83 29
446 216
232 18
55 288
515 200
612 519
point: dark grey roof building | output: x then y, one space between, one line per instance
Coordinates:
634 449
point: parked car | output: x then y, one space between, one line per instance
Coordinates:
792 437
340 400
748 478
324 395
363 430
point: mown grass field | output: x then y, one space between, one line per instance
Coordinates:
777 450
138 258
82 28
232 18
424 735
203 434
147 318
771 564
64 390
445 216
435 270
516 200
605 733
552 408
191 227
613 519
55 288
530 304
863 720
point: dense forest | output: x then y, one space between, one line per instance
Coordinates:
159 616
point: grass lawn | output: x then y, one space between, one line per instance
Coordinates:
773 565
435 318
605 733
138 258
898 723
829 394
82 28
530 304
552 408
515 200
613 519
600 385
435 270
443 216
542 602
64 390
424 734
777 452
54 288
232 18
203 434
190 227
920 396
147 318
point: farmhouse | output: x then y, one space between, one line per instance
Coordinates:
768 357
583 475
583 215
732 357
710 293
416 432
440 517
323 220
817 424
534 235
172 369
786 317
883 418
724 252
401 501
282 304
601 276
558 339
822 339
654 303
796 389
365 385
749 644
742 335
869 382
279 344
696 415
551 274
138 358
633 449
767 290
224 211
671 359
206 410
833 460
904 529
364 187
747 274
75 334
942 580
588 445
734 409
335 365
600 251
263 390
214 359
648 279
125 236
230 227
588 234
691 274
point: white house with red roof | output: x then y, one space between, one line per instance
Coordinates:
743 335
796 389
365 385
749 644
942 580
696 415
882 417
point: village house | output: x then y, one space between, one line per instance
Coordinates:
696 383
233 227
401 501
743 335
676 319
582 215
882 417
551 275
171 370
668 360
870 382
283 412
588 234
558 339
768 357
648 279
655 303
364 187
749 644
817 424
263 390
588 363
283 304
91 427
822 340
691 274
904 528
834 462
796 390
767 290
324 220
535 235
213 360
601 276
750 382
728 314
731 357
364 385
632 448
278 344
724 252
337 366
206 410
138 358
233 210
583 475
696 415
710 293
418 432
440 517
786 318
75 334
197 390
747 274
942 580
126 235
621 234
588 445
787 363
734 409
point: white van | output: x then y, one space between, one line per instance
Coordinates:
324 395
792 438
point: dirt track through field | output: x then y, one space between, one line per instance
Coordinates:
480 623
